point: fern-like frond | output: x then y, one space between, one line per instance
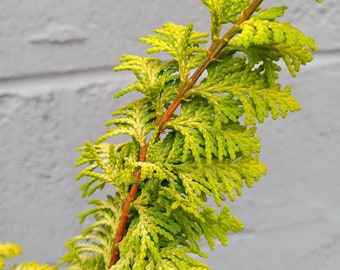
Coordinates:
160 240
147 234
294 57
258 103
83 261
235 141
106 166
258 97
224 177
174 257
223 12
197 221
262 38
93 246
263 32
182 43
8 250
152 171
194 124
218 226
229 177
34 266
152 75
135 120
203 138
270 14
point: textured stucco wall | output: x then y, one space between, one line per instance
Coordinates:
56 89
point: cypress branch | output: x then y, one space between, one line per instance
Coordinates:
193 136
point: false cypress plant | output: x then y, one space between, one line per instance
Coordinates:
193 137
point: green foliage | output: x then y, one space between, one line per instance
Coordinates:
10 250
34 266
182 43
192 137
223 12
92 249
276 41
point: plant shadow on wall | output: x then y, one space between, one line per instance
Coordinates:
193 137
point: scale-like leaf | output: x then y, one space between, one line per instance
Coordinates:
262 38
98 237
34 266
182 43
223 12
152 75
135 120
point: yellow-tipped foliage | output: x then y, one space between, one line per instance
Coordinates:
192 136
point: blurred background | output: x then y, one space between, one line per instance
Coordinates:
56 91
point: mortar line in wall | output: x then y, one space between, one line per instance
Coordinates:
55 80
61 79
54 73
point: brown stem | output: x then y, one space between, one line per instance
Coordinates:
213 54
125 211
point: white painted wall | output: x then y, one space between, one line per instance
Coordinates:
56 89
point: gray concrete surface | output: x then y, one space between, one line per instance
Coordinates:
56 89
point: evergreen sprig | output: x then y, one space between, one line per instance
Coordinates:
192 137
11 250
8 250
182 43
